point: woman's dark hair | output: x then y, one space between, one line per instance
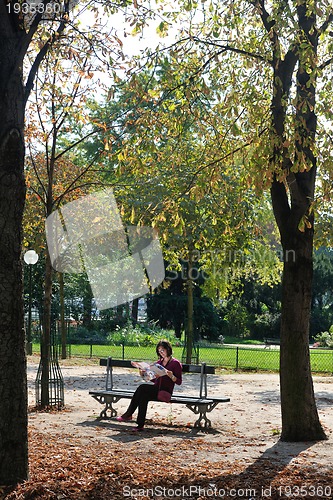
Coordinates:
166 344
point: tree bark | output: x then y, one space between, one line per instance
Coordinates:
13 387
300 421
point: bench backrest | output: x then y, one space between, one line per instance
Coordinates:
203 369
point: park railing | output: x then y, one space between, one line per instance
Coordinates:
220 356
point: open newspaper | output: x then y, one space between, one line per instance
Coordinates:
149 371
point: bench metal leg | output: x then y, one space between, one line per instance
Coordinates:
107 401
207 422
202 409
108 407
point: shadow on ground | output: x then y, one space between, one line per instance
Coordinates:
125 432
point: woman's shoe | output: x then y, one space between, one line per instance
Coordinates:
123 418
138 429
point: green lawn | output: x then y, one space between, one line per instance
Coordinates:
247 358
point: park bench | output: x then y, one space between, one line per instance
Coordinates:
269 342
200 405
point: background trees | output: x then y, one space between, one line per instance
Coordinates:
179 104
171 139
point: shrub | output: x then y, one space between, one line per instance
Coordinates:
83 335
141 335
325 339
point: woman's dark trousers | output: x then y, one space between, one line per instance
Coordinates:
143 394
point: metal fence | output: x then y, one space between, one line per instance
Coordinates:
221 356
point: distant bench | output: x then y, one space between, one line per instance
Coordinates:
200 405
269 342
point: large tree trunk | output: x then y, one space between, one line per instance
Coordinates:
14 43
13 387
300 421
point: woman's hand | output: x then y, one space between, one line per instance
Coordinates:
171 375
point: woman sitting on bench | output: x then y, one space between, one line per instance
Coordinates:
160 390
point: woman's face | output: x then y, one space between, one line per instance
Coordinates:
162 352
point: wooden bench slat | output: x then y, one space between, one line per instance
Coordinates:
179 398
187 368
197 369
114 392
120 363
176 398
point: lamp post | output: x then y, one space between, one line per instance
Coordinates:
30 258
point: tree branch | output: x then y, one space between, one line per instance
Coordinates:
230 48
72 186
40 56
326 24
326 63
38 177
218 160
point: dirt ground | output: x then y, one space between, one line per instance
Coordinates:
243 442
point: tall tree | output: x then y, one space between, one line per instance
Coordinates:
172 141
285 47
15 38
54 176
26 35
